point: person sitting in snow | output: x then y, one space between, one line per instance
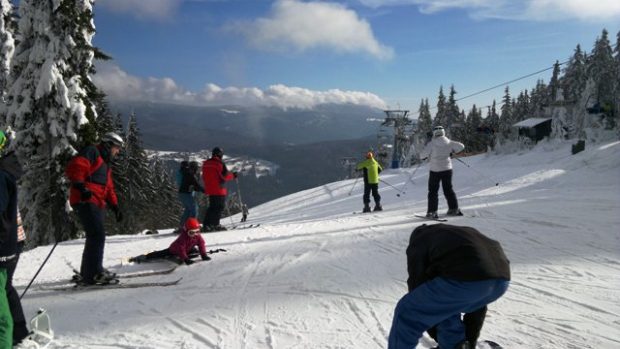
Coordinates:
452 270
371 169
181 247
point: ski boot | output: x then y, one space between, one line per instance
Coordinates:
454 212
103 278
138 259
378 207
219 228
432 215
366 209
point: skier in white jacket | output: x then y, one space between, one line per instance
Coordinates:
439 151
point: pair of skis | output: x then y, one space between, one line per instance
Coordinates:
118 283
244 226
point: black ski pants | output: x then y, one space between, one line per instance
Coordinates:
214 211
445 178
374 188
92 217
20 330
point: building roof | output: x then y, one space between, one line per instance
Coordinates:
531 122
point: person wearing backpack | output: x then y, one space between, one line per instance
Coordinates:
92 190
188 186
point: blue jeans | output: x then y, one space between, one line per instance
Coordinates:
440 302
189 205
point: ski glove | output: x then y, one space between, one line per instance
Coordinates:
189 261
117 213
205 257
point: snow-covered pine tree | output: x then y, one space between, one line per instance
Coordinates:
425 121
539 98
601 68
135 188
505 118
165 206
48 105
491 125
7 48
554 83
574 79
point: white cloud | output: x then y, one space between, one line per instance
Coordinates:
539 10
120 85
143 9
310 25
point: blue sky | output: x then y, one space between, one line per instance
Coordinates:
293 53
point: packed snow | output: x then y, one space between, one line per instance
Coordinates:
315 275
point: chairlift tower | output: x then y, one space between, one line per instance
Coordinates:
403 129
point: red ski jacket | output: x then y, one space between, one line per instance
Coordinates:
89 168
215 175
184 243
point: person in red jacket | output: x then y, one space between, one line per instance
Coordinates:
215 175
92 190
181 247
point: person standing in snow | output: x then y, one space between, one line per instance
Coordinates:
181 247
371 169
10 172
189 184
244 213
439 150
452 270
92 189
215 175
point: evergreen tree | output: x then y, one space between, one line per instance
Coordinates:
165 208
424 120
452 114
48 105
554 83
475 141
491 125
601 68
574 80
505 118
134 185
7 48
539 98
441 115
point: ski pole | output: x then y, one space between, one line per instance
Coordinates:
388 184
354 183
38 271
478 172
411 177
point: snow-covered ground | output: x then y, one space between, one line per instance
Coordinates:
314 275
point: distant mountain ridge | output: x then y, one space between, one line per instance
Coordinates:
191 128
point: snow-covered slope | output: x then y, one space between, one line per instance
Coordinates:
314 275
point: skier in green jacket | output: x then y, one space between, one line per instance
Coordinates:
371 169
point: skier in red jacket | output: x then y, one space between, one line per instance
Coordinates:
181 247
92 189
215 175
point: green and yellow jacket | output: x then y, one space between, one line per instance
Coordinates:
371 170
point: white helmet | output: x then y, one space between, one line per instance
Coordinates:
438 131
113 138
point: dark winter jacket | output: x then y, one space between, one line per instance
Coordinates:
215 175
453 252
189 182
184 243
90 170
10 172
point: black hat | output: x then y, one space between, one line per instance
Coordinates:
217 151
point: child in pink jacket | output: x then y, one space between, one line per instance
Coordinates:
182 246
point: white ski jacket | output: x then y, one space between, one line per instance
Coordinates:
438 151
